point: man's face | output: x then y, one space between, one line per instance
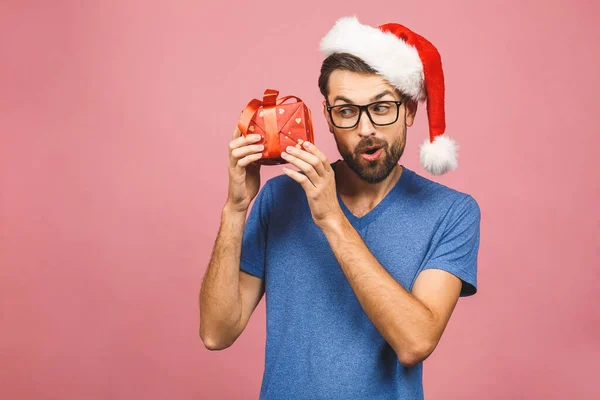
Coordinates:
371 151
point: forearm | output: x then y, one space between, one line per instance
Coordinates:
406 323
220 301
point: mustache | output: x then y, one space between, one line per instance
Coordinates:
370 142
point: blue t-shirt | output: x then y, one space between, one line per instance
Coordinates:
320 342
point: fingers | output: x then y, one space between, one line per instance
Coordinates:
242 146
245 161
301 179
308 169
244 151
311 148
308 161
236 133
243 141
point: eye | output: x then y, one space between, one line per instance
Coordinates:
347 112
381 108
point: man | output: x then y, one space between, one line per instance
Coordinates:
362 260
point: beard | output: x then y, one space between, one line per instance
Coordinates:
377 170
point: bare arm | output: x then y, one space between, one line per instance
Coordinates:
228 296
412 323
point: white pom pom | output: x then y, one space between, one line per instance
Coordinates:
440 156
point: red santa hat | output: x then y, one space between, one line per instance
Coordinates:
410 63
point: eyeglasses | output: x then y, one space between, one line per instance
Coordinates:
381 113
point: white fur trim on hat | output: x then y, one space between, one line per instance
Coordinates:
440 156
386 53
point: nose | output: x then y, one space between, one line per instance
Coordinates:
365 127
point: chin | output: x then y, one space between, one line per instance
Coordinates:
371 171
375 176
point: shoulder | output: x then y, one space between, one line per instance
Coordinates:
433 194
281 190
280 185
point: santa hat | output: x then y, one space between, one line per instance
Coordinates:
411 64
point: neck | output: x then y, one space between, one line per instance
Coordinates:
350 184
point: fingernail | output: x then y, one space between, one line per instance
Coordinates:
289 149
306 144
255 137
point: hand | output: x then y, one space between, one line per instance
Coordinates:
318 181
244 174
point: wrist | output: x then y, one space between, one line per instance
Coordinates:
232 210
334 223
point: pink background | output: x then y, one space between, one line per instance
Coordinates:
114 123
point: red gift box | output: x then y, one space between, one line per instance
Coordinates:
280 125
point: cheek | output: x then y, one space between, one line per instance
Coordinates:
395 134
395 130
343 145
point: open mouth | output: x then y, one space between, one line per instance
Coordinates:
371 150
372 153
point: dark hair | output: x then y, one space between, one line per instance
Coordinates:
341 61
349 62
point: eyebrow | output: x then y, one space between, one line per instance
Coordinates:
374 98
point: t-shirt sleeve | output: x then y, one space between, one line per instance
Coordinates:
457 249
254 239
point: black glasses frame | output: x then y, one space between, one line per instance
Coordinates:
365 108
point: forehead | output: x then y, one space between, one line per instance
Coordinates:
360 88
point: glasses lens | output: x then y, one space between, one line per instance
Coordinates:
344 116
383 112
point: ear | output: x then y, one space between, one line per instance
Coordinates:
326 114
410 108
